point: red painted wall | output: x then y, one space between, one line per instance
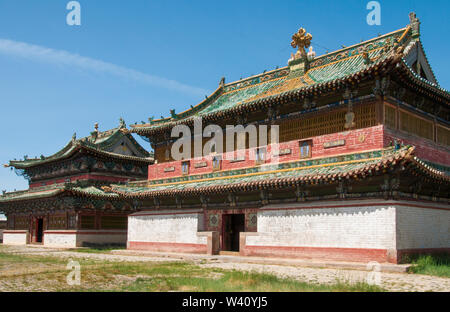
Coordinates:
425 149
355 141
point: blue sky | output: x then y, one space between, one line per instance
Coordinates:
136 59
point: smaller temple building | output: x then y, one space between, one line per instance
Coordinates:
62 207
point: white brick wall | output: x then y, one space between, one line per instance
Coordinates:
366 224
384 225
353 227
422 228
60 240
166 228
10 238
71 239
102 238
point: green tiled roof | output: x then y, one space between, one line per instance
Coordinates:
102 143
329 169
328 68
29 194
55 190
91 191
232 98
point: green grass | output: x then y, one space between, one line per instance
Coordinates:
437 265
96 249
239 281
182 276
7 257
48 273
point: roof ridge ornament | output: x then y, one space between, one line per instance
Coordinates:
311 54
299 62
122 123
302 41
366 56
173 115
94 134
415 25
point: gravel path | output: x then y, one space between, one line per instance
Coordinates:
389 281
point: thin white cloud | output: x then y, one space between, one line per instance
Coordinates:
61 57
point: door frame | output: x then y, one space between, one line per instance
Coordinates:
35 231
225 218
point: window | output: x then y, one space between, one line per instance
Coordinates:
305 149
185 167
415 125
114 222
72 221
87 222
217 163
260 155
57 222
22 223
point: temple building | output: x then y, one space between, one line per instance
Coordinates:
356 165
61 206
360 171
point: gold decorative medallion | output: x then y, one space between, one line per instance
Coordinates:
302 41
361 138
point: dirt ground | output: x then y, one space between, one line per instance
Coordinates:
390 281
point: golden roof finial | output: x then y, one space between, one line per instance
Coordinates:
302 41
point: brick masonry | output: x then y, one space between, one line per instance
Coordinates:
366 231
419 228
368 227
425 149
15 237
167 231
80 238
355 141
357 231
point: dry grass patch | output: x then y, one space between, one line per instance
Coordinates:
19 272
